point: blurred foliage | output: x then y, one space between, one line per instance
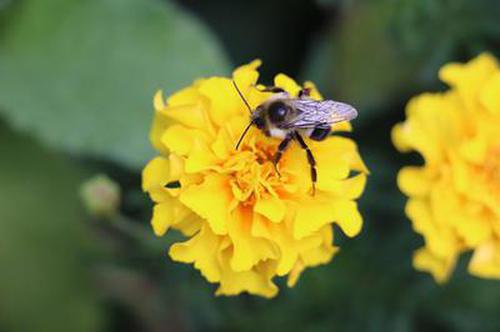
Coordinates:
44 280
78 76
379 50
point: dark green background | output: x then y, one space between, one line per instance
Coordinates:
76 83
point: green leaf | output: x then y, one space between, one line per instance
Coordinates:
80 75
44 284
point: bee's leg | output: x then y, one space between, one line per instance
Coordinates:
310 160
281 148
305 92
319 133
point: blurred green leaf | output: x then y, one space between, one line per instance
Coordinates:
81 75
44 285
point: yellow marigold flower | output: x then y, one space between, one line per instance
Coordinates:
454 199
244 223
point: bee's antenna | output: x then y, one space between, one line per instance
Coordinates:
243 134
242 97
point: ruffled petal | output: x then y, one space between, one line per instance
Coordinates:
211 201
202 250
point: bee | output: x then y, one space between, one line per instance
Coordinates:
289 118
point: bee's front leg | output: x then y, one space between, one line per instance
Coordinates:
281 148
310 160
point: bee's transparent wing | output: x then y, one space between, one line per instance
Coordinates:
314 113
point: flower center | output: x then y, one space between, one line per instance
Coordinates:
253 173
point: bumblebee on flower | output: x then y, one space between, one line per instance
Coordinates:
246 222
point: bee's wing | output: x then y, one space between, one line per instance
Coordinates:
312 113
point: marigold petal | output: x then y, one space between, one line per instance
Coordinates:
192 116
414 181
313 215
158 101
160 123
323 253
348 217
271 207
470 75
438 239
210 200
287 83
223 105
440 268
247 249
295 273
186 96
490 96
350 188
256 281
485 261
201 250
247 75
178 139
475 149
200 157
400 139
155 176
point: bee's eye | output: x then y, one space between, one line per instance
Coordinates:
277 112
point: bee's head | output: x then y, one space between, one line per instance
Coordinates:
257 118
277 112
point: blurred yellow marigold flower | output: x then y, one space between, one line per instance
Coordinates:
246 224
455 197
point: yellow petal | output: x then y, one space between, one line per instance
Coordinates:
211 201
200 157
178 139
287 83
490 95
166 214
350 188
320 254
193 116
201 250
162 219
224 101
469 77
314 214
439 240
158 101
425 260
475 149
485 261
257 281
348 217
295 273
160 124
414 181
399 136
271 207
155 176
186 96
247 75
247 249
